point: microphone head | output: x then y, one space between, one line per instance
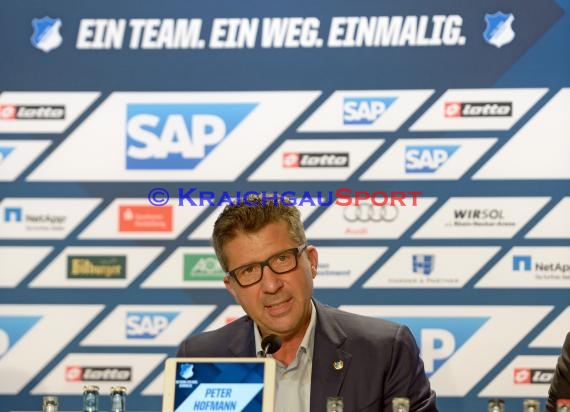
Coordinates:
270 344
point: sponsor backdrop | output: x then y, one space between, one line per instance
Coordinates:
426 143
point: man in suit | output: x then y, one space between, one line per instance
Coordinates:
560 385
261 244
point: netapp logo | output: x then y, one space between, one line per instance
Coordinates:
478 109
297 159
98 373
25 112
533 376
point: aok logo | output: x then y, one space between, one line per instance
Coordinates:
202 266
178 136
12 328
147 325
365 110
440 338
427 159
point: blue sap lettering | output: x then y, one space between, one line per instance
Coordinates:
427 159
365 110
148 140
440 337
146 325
437 345
174 138
178 136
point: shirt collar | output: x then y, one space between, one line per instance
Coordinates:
306 343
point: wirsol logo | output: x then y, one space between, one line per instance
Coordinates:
96 267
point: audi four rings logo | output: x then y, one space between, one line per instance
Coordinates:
368 212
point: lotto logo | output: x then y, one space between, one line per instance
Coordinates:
478 109
296 159
178 136
76 373
365 110
524 376
21 112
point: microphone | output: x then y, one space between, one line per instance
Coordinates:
270 344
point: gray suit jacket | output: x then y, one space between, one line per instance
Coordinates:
560 386
381 360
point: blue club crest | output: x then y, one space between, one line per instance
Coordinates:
46 36
186 370
499 29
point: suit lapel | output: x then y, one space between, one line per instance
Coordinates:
330 361
242 343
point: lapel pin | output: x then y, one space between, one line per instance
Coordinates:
338 365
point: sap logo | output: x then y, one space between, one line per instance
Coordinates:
4 152
522 262
422 264
439 338
12 328
427 159
12 214
365 110
178 136
147 325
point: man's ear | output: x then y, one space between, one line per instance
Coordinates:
229 284
313 259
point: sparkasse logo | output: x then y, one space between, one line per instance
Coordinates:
139 218
298 159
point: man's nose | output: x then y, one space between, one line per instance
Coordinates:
270 281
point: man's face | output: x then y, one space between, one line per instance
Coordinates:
278 303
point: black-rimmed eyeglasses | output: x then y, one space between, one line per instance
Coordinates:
282 262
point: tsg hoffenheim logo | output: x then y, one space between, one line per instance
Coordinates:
499 29
46 35
186 370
